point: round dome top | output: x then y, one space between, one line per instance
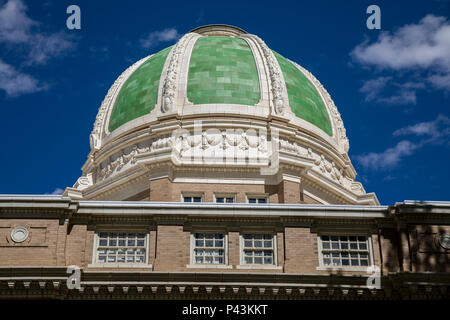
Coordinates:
222 69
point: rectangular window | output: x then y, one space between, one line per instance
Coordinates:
257 200
121 247
225 198
345 251
258 249
209 248
192 197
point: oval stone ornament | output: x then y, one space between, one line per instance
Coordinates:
19 234
444 240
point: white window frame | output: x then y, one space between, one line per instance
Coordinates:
345 268
96 264
195 265
257 196
243 265
225 195
192 195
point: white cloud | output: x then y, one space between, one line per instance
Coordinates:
45 47
21 35
16 83
156 37
388 158
421 49
436 131
373 87
14 24
421 45
56 192
374 90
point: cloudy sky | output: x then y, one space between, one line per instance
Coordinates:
391 86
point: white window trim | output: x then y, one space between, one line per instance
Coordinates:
193 265
243 265
257 196
322 267
96 264
224 195
192 194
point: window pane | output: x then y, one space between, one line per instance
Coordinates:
187 199
197 199
209 243
251 200
219 200
262 200
258 260
230 200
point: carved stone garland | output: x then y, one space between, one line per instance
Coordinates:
170 82
275 76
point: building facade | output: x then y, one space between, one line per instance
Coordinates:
219 169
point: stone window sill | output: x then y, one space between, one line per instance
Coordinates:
362 269
208 266
259 267
120 265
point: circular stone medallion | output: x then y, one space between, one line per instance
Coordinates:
444 240
19 234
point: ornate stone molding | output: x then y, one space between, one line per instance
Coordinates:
107 104
277 83
84 182
170 84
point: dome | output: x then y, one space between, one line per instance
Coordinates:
226 79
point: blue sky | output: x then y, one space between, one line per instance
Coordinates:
391 86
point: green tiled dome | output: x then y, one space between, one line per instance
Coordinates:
222 70
304 99
139 93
